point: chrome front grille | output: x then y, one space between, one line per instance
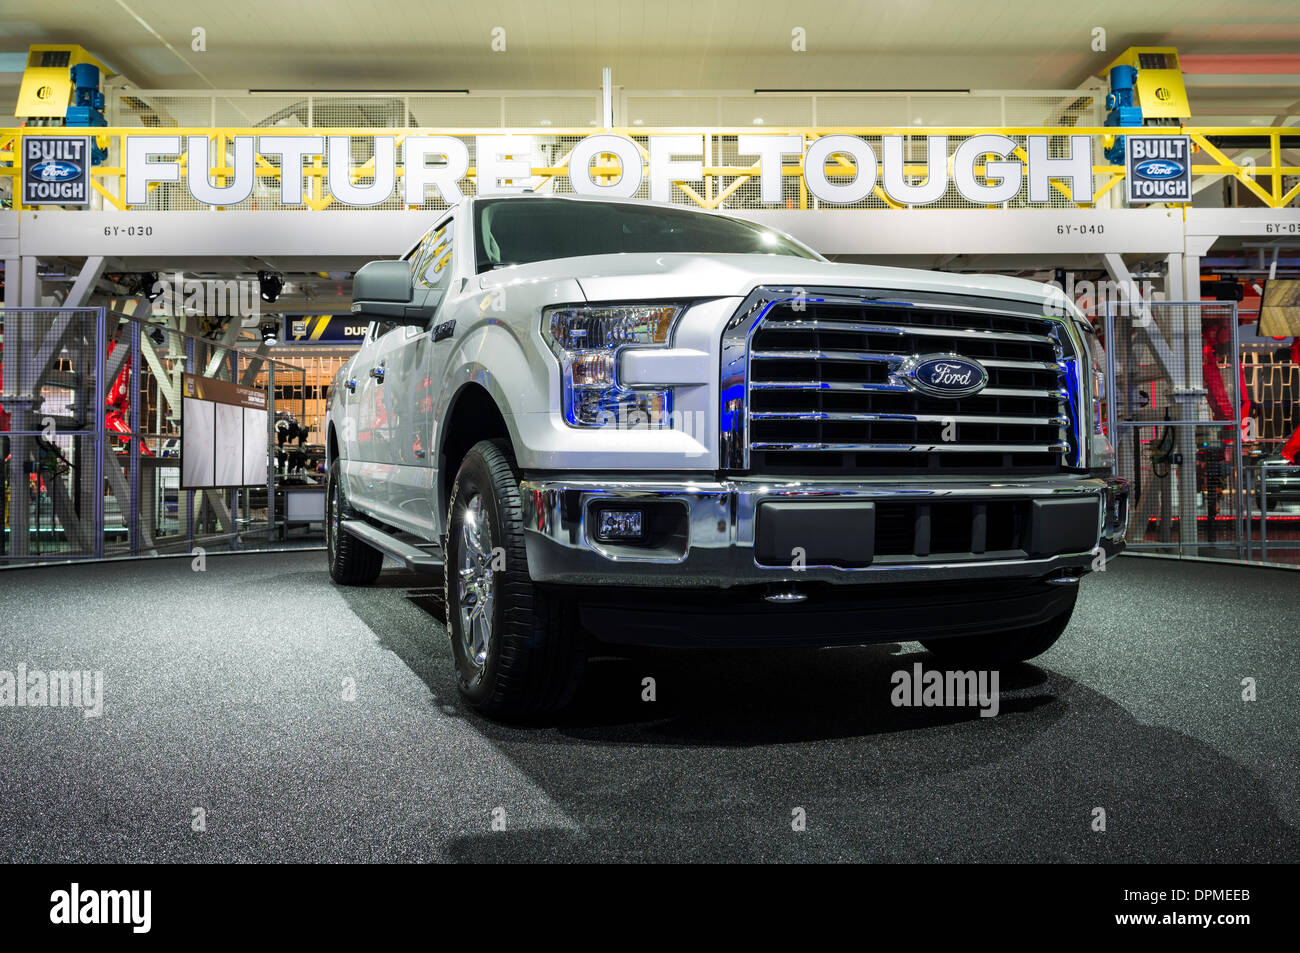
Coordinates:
823 392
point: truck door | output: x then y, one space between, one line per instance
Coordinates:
367 423
405 384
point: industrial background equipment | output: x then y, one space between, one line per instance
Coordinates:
1146 89
61 87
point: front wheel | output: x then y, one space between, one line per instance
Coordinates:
352 561
517 645
1002 648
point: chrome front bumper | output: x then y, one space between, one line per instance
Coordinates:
716 545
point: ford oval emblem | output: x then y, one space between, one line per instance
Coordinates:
944 375
52 170
1159 169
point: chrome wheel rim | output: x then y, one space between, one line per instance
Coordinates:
475 582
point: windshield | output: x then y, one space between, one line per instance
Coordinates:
519 231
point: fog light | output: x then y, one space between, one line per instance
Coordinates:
618 524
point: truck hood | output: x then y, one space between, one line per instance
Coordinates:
625 277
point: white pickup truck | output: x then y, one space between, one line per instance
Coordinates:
622 422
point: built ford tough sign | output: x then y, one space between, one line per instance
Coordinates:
633 423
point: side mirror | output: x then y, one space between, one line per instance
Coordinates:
383 290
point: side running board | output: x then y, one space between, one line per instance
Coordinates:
410 555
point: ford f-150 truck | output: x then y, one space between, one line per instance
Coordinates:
614 421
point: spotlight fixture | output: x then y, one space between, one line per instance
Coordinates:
149 285
270 333
270 283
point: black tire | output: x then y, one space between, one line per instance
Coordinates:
352 562
1002 648
534 655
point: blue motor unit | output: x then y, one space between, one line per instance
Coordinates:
1122 108
87 107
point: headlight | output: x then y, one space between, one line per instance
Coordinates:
587 341
1102 454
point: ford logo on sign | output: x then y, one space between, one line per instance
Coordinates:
944 375
1159 169
51 170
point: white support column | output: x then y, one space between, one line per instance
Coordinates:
29 285
1140 313
84 284
1173 288
229 334
255 362
13 282
167 386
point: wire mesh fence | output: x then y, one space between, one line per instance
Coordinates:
91 427
1080 107
1195 434
51 419
572 108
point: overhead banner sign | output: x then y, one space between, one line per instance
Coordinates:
56 170
984 168
323 329
1159 168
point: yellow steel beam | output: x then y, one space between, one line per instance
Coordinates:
1230 167
1109 184
1275 155
109 196
879 193
1019 153
730 190
694 196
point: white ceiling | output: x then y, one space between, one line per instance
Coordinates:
664 44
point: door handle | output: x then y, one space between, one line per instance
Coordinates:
378 373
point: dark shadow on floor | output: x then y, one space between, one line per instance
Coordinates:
734 741
717 777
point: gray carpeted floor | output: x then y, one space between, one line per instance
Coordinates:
224 691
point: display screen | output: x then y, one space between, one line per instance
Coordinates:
255 443
224 441
198 444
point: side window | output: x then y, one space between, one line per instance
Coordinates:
433 269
